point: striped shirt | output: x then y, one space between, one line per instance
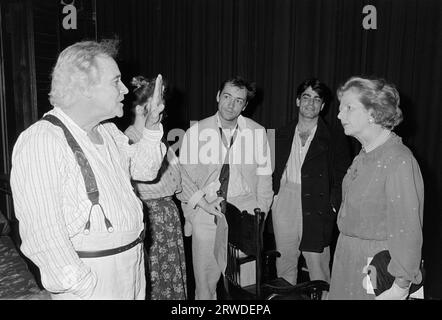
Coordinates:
50 199
172 178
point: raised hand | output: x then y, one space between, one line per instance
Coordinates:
155 105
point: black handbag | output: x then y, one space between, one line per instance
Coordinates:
384 279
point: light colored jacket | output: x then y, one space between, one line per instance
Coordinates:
202 156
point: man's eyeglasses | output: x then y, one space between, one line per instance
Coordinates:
307 99
238 101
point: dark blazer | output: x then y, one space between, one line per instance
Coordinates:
325 164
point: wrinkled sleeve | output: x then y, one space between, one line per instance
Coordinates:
145 156
188 164
36 184
263 171
405 196
190 193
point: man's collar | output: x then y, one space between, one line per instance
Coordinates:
241 121
67 120
312 130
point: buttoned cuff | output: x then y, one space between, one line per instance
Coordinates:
153 135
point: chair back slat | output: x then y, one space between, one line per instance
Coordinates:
244 229
245 235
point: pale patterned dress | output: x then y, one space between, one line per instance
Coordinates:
166 263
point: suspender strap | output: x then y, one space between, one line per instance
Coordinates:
86 170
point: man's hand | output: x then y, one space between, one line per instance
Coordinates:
394 293
214 207
155 105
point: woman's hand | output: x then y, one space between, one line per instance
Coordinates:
155 105
214 207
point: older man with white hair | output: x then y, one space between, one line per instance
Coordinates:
80 220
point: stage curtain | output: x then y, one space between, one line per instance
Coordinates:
196 44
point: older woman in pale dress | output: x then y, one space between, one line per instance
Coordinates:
383 195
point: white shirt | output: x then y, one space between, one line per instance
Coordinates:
292 172
237 184
50 199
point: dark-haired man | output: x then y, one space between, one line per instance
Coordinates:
226 155
309 167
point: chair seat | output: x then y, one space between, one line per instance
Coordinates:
281 289
249 292
279 284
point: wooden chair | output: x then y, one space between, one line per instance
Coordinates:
245 244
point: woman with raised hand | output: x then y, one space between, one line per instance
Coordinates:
166 259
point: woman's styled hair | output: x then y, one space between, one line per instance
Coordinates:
77 68
143 89
376 95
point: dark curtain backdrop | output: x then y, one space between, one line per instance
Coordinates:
196 44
